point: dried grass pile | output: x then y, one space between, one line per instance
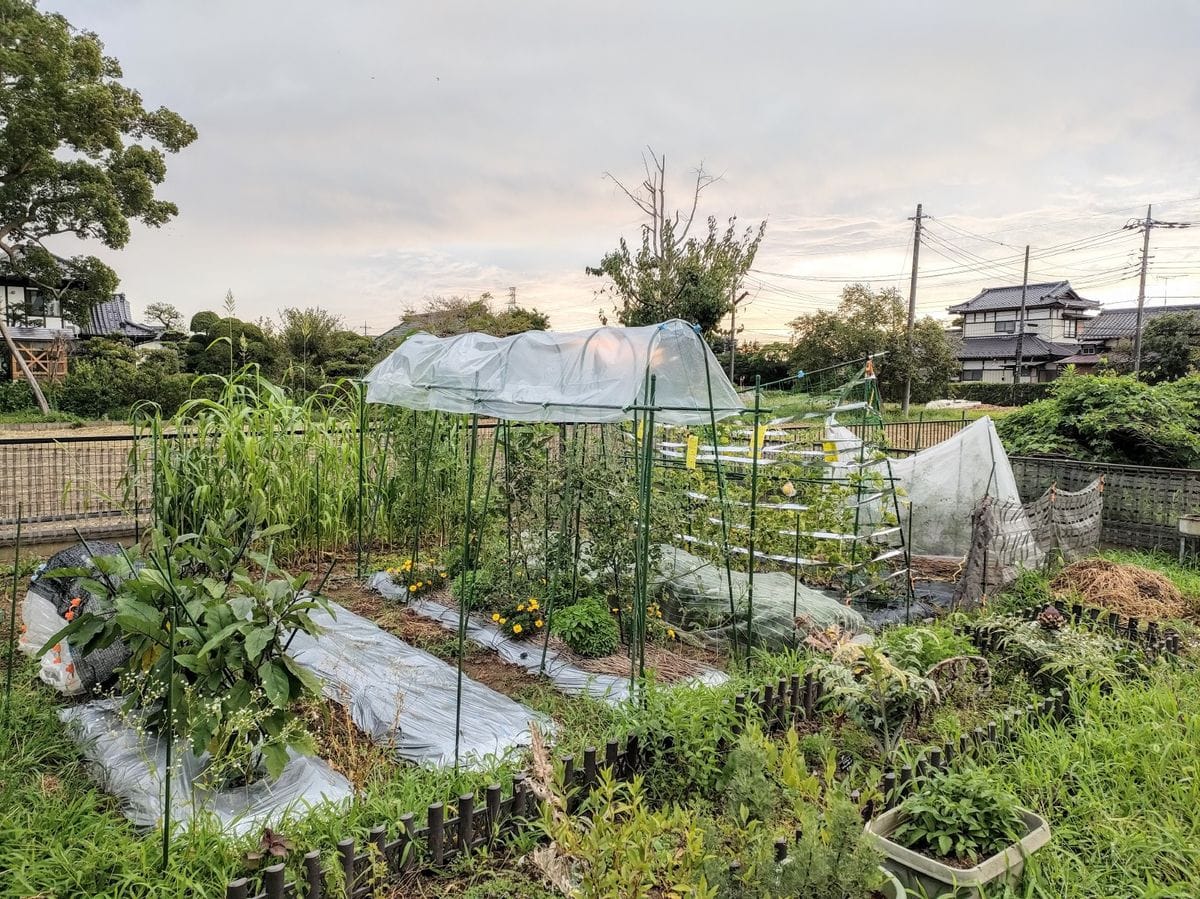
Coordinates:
936 568
1121 588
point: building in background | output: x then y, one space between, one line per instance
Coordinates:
1055 318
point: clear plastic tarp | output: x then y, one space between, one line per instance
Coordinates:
404 698
567 677
943 484
695 598
577 376
131 763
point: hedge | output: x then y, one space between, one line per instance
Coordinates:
999 394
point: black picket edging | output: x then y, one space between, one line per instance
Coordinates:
461 827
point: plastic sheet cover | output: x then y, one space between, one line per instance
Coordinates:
578 376
569 678
696 600
943 484
130 764
404 698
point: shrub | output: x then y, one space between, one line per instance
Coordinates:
999 394
15 396
522 619
587 627
962 816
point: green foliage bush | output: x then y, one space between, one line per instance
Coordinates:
962 815
999 394
15 396
587 627
1111 419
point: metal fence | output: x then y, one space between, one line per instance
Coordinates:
58 484
1142 504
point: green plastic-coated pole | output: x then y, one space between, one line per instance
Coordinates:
757 451
642 568
362 479
12 617
712 418
468 569
170 708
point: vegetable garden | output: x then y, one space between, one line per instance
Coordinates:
469 629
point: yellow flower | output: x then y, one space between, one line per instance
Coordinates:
503 620
520 607
495 616
412 588
533 604
516 628
538 623
671 633
443 574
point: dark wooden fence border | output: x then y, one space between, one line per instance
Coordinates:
462 826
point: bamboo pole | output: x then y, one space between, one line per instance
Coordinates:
757 451
468 570
12 617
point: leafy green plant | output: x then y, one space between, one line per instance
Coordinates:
1056 657
918 649
418 578
749 786
961 815
876 694
204 631
618 846
830 858
523 619
587 627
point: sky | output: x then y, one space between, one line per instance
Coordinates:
365 156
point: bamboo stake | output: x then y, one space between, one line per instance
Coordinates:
12 616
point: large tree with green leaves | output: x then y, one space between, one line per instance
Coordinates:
868 322
79 154
674 274
1170 346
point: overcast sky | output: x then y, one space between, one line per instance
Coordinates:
363 156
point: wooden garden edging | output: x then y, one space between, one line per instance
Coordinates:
462 826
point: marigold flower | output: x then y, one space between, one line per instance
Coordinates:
504 621
412 588
75 602
495 616
516 628
538 623
70 615
671 633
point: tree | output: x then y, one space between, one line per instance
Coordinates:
166 315
869 322
79 155
1170 346
320 350
447 316
673 274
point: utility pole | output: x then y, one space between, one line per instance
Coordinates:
1144 225
1021 328
512 298
912 307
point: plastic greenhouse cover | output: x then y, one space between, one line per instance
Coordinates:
697 601
567 677
130 764
943 484
404 698
577 376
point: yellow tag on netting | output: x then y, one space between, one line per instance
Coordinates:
830 450
760 438
693 446
640 428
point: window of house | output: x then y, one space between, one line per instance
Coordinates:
972 374
1070 327
1008 327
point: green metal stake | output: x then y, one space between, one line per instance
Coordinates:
362 443
753 518
712 417
642 567
469 582
12 616
166 836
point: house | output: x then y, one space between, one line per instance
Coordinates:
1102 337
36 326
992 334
113 320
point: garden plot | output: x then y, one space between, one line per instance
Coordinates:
131 764
559 668
405 698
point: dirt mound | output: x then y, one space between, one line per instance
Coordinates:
1124 589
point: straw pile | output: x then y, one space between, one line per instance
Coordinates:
1124 589
936 568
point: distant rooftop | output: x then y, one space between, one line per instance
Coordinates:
1114 324
1032 347
112 318
1053 293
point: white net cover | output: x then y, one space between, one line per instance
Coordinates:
577 376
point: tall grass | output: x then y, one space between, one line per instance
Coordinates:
1120 787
